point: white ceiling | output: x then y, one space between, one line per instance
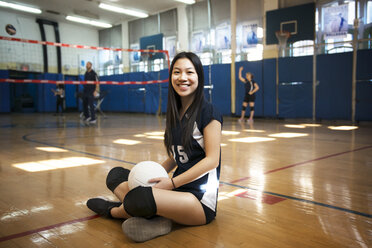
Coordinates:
90 9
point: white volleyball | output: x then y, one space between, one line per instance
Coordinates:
142 172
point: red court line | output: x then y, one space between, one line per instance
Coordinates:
305 162
22 234
240 179
265 198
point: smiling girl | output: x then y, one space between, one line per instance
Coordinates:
192 141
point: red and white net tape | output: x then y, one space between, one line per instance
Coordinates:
82 46
39 81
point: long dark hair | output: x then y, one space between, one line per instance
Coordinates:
174 106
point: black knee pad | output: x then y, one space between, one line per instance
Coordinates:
252 108
116 176
140 202
243 107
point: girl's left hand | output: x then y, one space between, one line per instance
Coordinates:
162 183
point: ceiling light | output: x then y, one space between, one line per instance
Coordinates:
86 21
123 11
20 7
186 1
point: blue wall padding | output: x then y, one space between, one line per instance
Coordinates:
255 68
207 92
221 94
333 95
164 74
151 98
295 87
364 64
45 99
164 97
116 98
268 87
364 101
292 69
135 98
334 73
4 93
295 101
364 86
70 91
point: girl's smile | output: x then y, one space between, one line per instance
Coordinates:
184 78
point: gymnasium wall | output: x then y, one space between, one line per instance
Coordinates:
12 57
333 95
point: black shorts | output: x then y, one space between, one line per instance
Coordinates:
249 98
209 214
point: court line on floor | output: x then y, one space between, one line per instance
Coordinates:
301 200
225 183
305 162
46 228
244 178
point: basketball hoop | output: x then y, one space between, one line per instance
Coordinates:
282 37
145 56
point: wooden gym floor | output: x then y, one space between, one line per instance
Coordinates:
283 183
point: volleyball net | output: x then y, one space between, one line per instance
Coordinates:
69 59
31 69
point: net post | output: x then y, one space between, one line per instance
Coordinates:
282 37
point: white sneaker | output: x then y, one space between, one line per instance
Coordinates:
141 229
93 121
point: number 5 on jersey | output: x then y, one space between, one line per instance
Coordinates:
181 154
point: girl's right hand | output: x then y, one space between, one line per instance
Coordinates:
162 183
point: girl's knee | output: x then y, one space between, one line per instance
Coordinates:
116 176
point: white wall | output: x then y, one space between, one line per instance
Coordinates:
78 34
14 54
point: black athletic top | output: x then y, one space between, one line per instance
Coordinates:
205 188
249 86
90 76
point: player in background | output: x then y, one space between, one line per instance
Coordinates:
251 87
